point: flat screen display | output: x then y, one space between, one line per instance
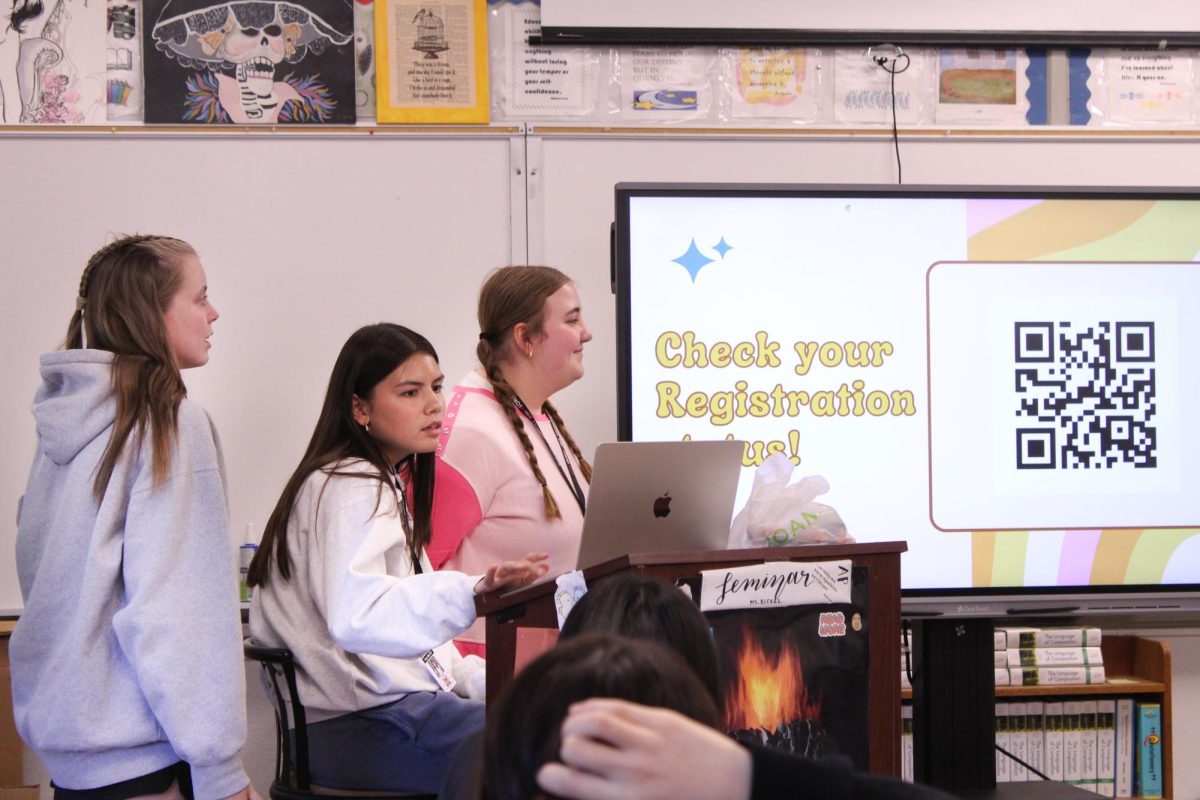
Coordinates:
1005 378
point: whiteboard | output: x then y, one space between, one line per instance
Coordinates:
306 238
303 239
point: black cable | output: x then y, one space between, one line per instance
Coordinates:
1041 775
892 66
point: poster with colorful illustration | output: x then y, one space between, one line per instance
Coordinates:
124 57
982 86
52 63
796 677
663 84
775 82
252 62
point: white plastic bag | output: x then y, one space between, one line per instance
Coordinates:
778 514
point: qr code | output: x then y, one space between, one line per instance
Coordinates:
1085 395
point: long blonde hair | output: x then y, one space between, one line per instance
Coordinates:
511 296
123 296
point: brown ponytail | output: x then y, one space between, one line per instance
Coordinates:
123 294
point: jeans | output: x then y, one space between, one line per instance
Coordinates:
402 746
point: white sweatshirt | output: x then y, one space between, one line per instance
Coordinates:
354 613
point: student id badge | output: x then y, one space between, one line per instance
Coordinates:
438 671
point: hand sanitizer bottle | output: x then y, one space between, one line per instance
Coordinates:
245 556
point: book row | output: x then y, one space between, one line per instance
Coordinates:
1037 676
1112 747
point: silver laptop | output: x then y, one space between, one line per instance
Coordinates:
659 497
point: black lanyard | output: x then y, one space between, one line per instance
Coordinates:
571 481
406 521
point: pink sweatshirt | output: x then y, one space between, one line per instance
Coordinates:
487 504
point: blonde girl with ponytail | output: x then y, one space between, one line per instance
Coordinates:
127 660
511 478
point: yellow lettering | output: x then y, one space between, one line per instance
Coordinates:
668 400
768 351
831 354
805 351
878 351
667 339
903 403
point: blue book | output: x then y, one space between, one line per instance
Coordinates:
1148 775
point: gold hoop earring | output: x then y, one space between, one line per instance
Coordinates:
530 354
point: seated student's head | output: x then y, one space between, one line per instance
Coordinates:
383 406
523 731
649 608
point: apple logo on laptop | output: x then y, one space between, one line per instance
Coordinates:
662 506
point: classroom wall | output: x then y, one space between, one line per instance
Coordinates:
306 237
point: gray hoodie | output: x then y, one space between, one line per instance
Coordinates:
127 657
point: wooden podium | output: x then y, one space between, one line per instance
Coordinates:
533 607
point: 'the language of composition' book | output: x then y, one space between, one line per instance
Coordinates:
1124 737
1018 741
1055 741
1072 743
1106 747
1054 657
1026 638
1055 676
1036 736
1003 762
1089 768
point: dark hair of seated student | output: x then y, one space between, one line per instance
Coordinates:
641 607
523 732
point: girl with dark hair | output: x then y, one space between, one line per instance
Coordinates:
524 733
510 476
127 660
641 607
344 582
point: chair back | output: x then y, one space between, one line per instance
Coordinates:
279 676
292 777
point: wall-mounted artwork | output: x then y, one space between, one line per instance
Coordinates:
124 52
253 62
52 62
364 58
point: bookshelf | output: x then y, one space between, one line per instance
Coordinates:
1135 667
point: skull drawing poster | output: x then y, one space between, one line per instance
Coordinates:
249 62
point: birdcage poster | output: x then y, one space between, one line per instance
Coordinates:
431 61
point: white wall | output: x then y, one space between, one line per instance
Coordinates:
305 238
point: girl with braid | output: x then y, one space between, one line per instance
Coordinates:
127 660
511 479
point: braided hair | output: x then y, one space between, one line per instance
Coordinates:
510 296
123 297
